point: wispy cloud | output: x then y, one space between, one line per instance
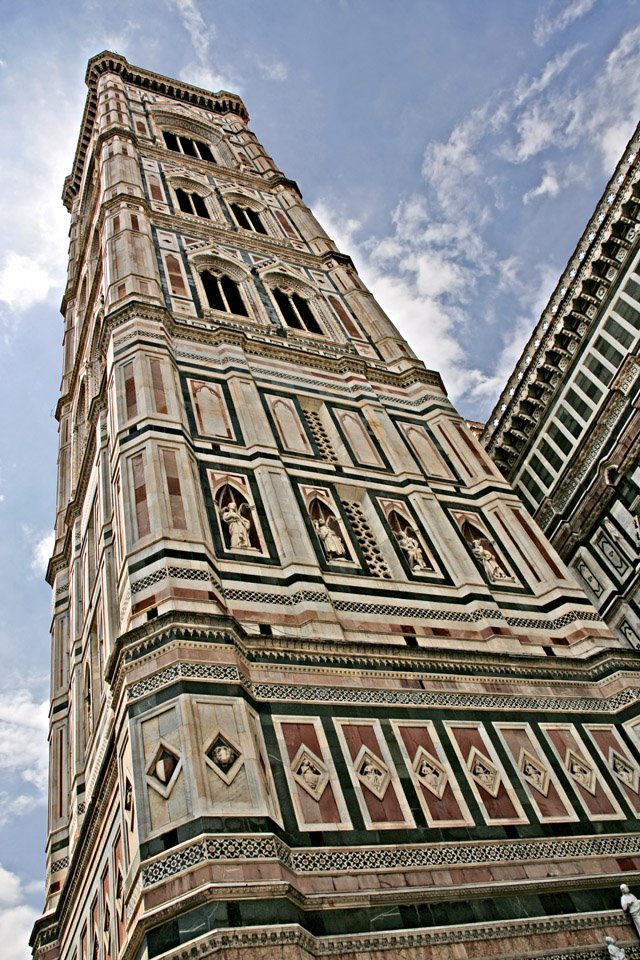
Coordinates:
200 71
554 18
16 917
444 251
273 70
23 750
41 547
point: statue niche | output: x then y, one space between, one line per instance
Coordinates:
236 523
328 531
485 552
407 538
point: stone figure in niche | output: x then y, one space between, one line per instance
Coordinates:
484 551
491 566
614 951
332 542
239 526
408 542
429 774
630 905
413 550
223 755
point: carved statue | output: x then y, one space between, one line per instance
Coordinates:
224 756
332 544
309 773
413 550
370 772
489 561
614 951
630 905
238 525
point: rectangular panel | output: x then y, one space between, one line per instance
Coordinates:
437 788
375 780
536 773
619 759
592 791
486 775
311 774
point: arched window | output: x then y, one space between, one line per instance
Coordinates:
247 218
187 146
223 293
296 312
192 203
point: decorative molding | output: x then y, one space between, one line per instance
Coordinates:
220 847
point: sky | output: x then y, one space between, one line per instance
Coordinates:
454 148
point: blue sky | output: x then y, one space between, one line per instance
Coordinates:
455 148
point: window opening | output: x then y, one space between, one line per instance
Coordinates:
247 218
296 312
223 293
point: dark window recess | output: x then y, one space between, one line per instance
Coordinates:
630 314
600 372
191 148
560 439
538 467
550 455
588 387
608 351
618 332
223 293
192 203
247 218
582 409
296 312
632 287
570 422
530 484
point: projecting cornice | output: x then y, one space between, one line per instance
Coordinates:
107 62
574 309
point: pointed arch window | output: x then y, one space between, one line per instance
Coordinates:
187 146
223 293
296 311
192 203
247 218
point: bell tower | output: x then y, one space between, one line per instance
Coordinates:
319 683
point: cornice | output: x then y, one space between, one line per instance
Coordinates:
108 62
574 309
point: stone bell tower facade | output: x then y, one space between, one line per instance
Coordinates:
319 684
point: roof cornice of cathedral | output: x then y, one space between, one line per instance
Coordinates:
574 309
107 62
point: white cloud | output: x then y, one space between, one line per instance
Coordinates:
23 281
273 70
200 72
548 23
41 550
16 917
23 750
549 186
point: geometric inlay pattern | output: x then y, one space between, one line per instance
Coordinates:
430 772
485 773
534 772
329 859
310 772
580 770
372 772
